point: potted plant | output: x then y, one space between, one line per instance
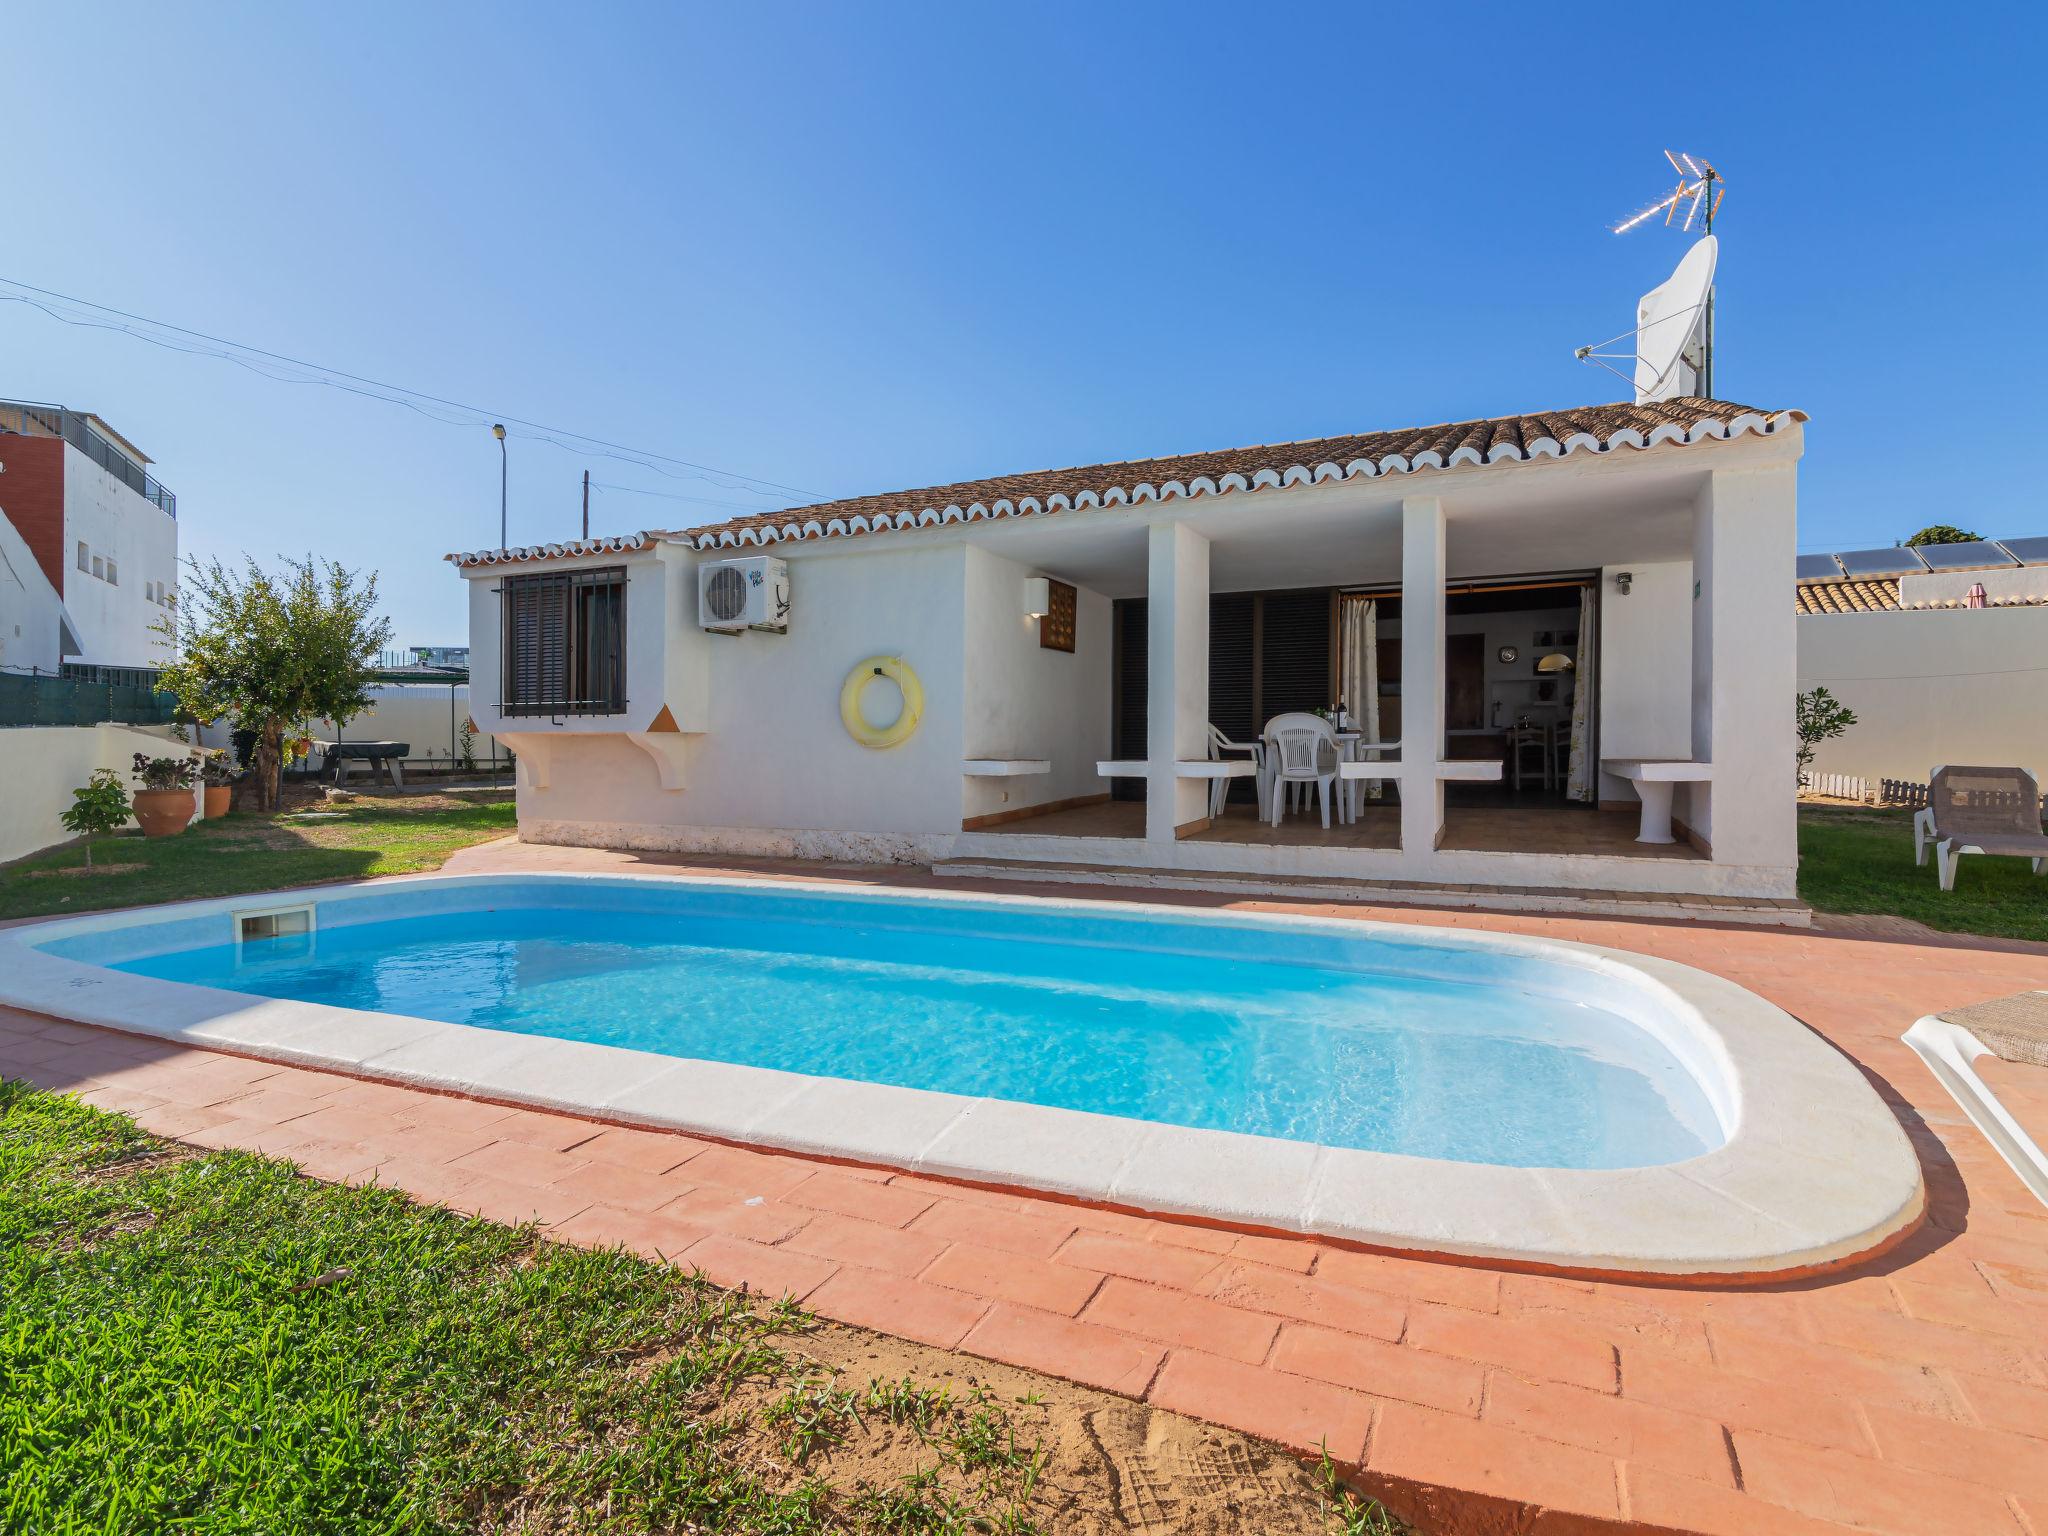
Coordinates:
164 804
220 774
98 807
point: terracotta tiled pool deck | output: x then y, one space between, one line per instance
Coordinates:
1908 1395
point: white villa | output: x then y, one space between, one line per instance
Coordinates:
1531 626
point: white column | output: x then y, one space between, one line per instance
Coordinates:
1745 666
1422 673
1177 676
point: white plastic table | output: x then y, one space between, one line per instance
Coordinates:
1654 779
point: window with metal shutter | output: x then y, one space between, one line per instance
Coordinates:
564 643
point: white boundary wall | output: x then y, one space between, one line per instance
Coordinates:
418 714
41 765
1931 686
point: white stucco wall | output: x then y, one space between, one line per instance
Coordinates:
115 619
29 607
42 765
1646 666
1022 701
772 753
1743 666
1931 687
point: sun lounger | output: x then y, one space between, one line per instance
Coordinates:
1993 811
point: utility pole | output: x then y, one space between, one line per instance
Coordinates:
586 506
498 431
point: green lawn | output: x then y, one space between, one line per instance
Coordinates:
1856 859
210 1343
255 853
213 1344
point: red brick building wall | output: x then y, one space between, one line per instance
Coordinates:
32 496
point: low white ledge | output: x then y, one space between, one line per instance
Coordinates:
1005 767
1124 768
1205 768
1469 772
1652 770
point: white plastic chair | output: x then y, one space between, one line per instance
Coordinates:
1301 749
1219 791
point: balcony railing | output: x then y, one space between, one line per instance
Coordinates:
29 420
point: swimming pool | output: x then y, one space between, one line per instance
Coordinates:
1375 1043
1447 1089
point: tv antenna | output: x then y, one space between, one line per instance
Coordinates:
1672 343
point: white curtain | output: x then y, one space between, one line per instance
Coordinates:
1358 675
1582 782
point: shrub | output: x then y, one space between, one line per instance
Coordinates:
166 772
98 807
1822 717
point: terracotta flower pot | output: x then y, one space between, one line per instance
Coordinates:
217 798
163 812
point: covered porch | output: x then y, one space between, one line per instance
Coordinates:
1517 664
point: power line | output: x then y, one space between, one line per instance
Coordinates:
705 501
244 355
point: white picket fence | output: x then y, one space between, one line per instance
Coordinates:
1841 786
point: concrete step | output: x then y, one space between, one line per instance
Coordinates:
1766 911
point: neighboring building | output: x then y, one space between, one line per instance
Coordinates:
440 655
1606 582
100 529
36 634
1932 679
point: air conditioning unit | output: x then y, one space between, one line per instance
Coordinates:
733 595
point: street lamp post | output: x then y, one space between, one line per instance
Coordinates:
498 431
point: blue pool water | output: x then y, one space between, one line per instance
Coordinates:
1364 1042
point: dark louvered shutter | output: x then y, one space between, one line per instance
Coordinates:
1231 706
1127 727
1294 652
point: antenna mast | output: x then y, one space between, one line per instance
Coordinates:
1699 192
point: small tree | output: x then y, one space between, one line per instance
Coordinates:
273 651
99 807
1942 533
1822 717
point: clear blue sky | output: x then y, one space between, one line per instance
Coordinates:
857 248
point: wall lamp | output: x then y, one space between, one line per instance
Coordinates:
1623 580
1037 597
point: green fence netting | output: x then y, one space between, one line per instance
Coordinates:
40 699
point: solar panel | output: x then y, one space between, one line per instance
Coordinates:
1881 562
2032 551
1977 555
1821 567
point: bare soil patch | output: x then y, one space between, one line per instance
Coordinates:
1109 1465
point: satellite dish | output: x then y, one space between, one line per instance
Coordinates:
1672 327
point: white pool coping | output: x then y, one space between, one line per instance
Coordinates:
1815 1169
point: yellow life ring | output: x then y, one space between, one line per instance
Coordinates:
898 730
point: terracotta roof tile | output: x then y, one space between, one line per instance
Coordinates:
1514 437
1874 596
1544 434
